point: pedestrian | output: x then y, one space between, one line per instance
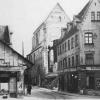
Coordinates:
29 89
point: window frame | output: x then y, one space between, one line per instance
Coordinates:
76 40
68 44
77 60
73 62
88 36
92 16
69 62
72 43
88 61
98 15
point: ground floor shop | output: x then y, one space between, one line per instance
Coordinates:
79 80
14 82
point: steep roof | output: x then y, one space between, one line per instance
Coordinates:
68 34
16 52
83 11
57 5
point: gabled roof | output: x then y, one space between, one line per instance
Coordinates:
38 28
57 5
68 34
84 10
16 52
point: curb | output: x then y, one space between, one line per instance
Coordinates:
73 94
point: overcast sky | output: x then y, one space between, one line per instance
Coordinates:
24 16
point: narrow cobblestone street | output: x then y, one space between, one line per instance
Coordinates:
45 94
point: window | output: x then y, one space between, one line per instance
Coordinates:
61 65
88 38
72 43
92 16
77 60
89 59
58 65
76 40
60 18
68 44
60 49
65 46
98 15
72 61
69 62
66 62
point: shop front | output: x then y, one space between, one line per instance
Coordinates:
14 77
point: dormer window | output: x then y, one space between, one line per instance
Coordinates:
92 16
98 15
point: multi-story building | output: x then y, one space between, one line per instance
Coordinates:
43 37
78 53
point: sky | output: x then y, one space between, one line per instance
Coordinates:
24 16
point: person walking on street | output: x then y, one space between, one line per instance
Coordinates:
29 89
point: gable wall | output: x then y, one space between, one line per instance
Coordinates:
88 26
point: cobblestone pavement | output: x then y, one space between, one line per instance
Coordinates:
46 94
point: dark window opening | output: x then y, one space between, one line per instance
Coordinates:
92 16
98 16
72 61
89 59
72 43
68 44
76 40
